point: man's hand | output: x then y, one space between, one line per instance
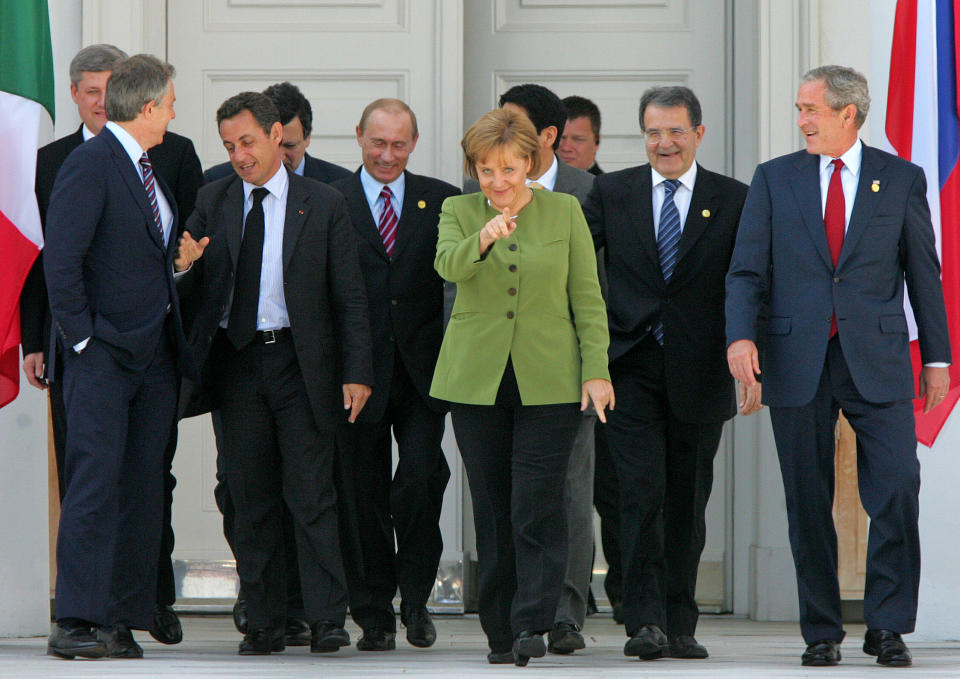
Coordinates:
744 362
934 385
748 398
33 369
600 393
354 398
188 251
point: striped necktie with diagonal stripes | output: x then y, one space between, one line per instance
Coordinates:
151 188
388 222
668 240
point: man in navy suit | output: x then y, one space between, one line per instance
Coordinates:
405 300
833 233
296 114
109 271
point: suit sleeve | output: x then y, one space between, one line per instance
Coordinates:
593 213
589 310
922 274
190 281
76 207
458 253
747 276
189 181
349 298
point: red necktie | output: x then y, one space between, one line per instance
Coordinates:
388 222
834 219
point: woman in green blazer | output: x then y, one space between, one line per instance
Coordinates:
524 352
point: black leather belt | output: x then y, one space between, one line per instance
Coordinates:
272 336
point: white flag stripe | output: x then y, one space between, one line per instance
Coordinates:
25 125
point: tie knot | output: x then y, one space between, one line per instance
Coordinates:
259 194
837 164
145 161
386 193
670 186
536 185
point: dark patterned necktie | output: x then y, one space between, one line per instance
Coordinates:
668 241
242 324
148 183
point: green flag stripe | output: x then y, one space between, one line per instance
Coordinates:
26 58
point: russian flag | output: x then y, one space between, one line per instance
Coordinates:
922 126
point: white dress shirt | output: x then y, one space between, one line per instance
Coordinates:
372 189
849 178
681 197
549 178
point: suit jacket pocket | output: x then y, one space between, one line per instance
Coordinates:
779 325
893 323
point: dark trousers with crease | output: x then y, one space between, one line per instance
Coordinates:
407 503
516 460
888 475
109 539
665 468
275 454
606 499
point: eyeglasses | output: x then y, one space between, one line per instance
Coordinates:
673 134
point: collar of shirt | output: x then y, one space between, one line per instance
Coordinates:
372 189
276 186
130 145
549 178
848 179
302 166
87 134
681 197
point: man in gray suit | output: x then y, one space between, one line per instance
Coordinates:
548 116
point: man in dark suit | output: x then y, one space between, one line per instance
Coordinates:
296 114
277 320
108 265
833 233
580 140
395 214
546 112
668 230
176 162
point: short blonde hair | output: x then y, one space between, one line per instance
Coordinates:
497 130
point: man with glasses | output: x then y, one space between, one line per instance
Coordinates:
668 230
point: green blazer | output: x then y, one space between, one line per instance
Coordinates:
533 296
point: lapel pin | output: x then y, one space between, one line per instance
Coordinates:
421 204
875 186
706 213
300 211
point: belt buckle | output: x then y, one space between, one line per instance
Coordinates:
269 336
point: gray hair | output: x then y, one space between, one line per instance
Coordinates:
845 86
134 83
96 59
669 97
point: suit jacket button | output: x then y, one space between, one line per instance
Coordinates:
509 314
512 291
512 268
393 302
391 338
836 279
513 247
829 318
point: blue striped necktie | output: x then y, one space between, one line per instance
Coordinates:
668 240
151 188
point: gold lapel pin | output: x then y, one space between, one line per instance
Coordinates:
875 186
706 213
300 211
421 204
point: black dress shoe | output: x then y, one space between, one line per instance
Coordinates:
889 648
297 632
327 637
617 607
504 658
421 631
166 625
526 645
564 639
69 641
240 614
685 646
821 654
119 641
375 639
649 643
262 641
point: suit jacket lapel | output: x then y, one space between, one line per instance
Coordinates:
297 206
640 194
410 214
871 168
806 189
363 216
134 183
703 206
232 208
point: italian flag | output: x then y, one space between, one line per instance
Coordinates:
26 123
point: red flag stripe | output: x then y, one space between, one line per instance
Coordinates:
903 62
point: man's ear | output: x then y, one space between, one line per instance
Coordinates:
548 135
